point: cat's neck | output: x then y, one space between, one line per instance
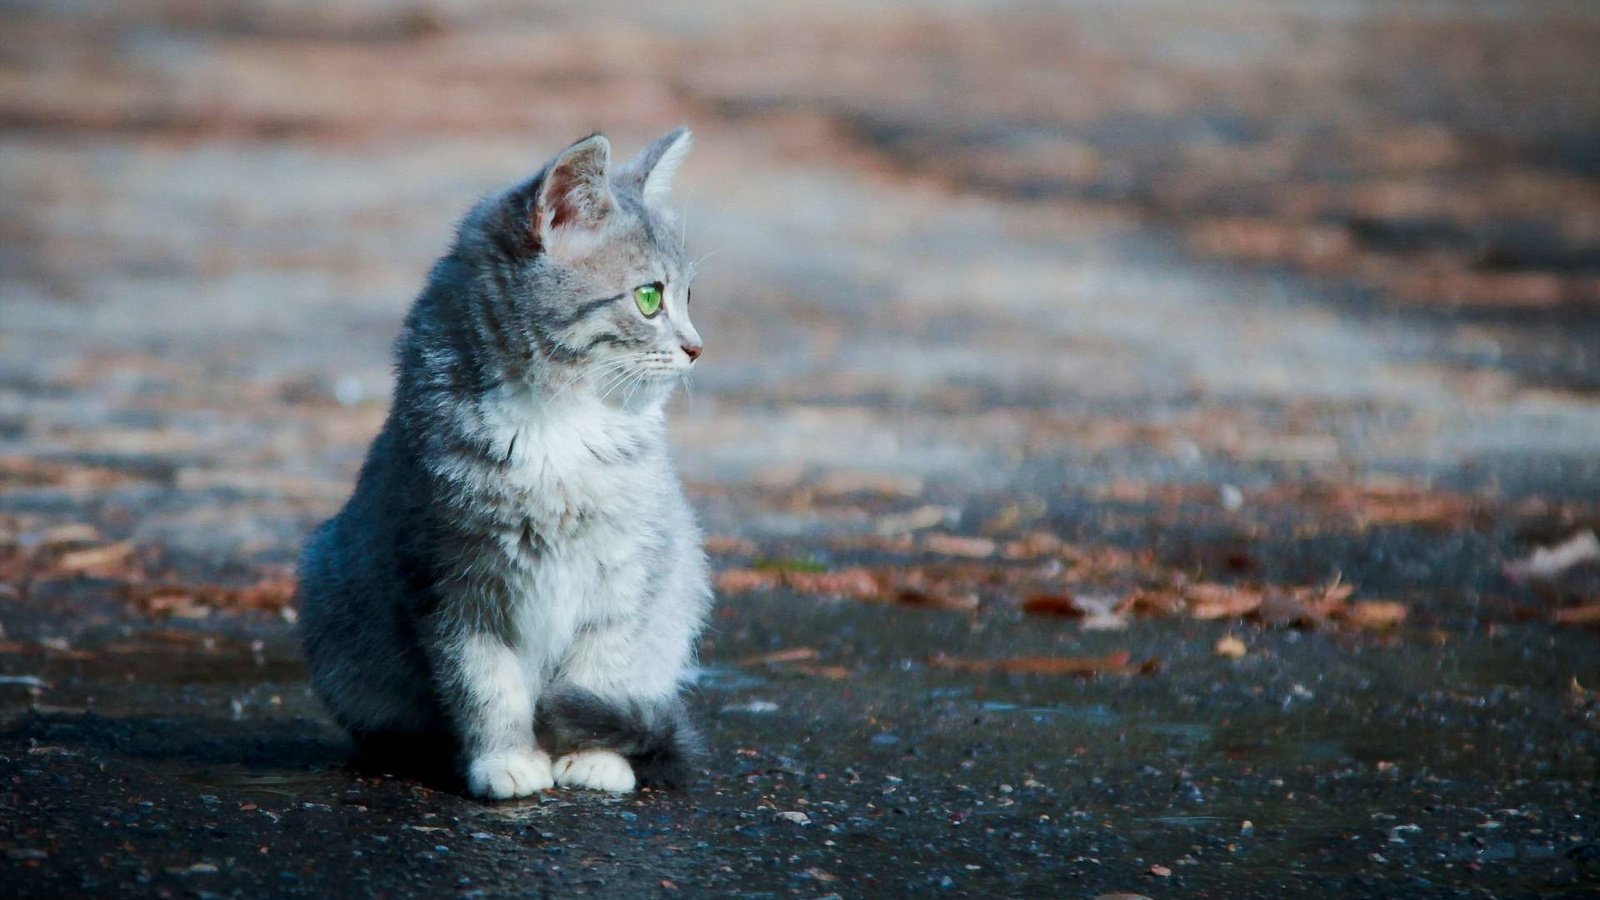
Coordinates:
522 405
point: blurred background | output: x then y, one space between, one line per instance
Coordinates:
1211 349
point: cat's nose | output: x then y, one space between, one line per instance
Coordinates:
693 350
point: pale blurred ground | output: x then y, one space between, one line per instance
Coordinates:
1275 291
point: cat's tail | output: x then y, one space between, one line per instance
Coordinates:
657 738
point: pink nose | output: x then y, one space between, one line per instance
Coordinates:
693 350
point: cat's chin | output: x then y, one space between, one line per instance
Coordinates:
650 390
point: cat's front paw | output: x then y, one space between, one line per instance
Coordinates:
505 776
598 770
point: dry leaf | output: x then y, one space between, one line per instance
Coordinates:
1231 647
833 673
856 582
1080 666
936 599
1587 614
746 581
1376 614
1052 605
1032 545
94 557
721 545
793 654
1217 601
68 535
1306 607
915 520
956 545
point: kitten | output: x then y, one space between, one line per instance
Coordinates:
518 553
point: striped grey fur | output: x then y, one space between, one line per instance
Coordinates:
518 553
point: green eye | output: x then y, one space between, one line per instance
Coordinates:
649 299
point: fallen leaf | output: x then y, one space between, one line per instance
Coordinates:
1032 545
845 482
915 520
271 594
1587 614
1064 605
853 582
720 545
1231 647
1217 601
1376 614
793 654
745 581
68 535
957 545
1549 562
936 599
1101 612
1080 666
94 557
1304 607
832 673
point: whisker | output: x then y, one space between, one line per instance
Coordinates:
603 366
694 267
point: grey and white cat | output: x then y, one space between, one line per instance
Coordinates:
518 556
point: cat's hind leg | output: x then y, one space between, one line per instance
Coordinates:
597 738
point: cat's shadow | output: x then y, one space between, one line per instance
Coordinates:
193 745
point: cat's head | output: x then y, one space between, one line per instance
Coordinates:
591 262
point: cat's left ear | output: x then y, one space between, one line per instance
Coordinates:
650 173
574 191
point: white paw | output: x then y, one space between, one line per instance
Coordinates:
599 770
508 775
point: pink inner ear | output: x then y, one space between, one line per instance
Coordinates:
563 192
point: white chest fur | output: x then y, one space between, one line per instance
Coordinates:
593 481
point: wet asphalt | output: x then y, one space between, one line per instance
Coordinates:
1256 295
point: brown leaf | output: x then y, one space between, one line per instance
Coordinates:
855 582
1217 601
833 673
1376 615
1587 614
1032 545
914 520
957 545
1080 666
720 545
1231 647
1052 605
1305 607
69 535
175 603
271 594
936 599
793 654
746 581
1153 601
94 557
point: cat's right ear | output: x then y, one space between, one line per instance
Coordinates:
575 192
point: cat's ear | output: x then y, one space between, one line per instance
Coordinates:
651 171
575 190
